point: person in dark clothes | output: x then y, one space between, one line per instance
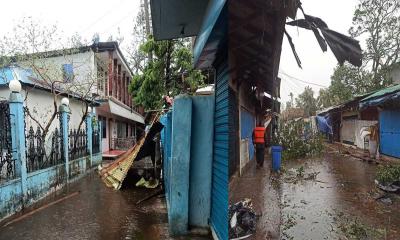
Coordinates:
259 142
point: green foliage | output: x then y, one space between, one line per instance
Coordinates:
297 140
346 82
300 171
169 72
377 21
307 101
388 174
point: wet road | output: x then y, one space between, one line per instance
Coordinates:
340 202
97 212
331 197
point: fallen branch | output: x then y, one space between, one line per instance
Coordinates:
158 192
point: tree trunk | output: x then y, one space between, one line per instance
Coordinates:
147 23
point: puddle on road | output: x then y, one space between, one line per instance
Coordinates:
97 212
340 203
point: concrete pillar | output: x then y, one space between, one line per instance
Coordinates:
118 83
110 73
64 111
127 92
100 131
201 158
17 120
89 134
179 165
123 82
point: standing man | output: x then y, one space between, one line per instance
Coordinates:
259 142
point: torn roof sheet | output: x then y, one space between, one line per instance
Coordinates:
383 92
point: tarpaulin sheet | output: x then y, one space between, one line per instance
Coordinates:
324 124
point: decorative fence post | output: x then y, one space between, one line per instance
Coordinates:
64 112
17 119
89 135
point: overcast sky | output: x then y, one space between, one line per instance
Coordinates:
105 17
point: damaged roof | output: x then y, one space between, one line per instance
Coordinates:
383 92
389 96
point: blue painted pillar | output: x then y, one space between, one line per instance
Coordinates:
17 120
89 134
179 165
201 158
64 111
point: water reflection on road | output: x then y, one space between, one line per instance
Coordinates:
340 201
97 212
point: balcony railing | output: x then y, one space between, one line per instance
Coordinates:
122 143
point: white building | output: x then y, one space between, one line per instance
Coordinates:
97 74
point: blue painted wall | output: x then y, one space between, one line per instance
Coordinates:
247 124
10 198
178 214
166 132
201 156
389 121
30 187
39 184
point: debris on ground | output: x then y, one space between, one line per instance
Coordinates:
151 183
243 220
294 175
393 187
388 178
114 174
355 229
386 200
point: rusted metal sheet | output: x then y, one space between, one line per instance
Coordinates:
343 47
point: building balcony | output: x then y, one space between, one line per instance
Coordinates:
122 143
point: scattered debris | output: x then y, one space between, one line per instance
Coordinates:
303 202
354 229
156 193
295 175
152 183
388 174
386 200
393 187
289 222
114 174
243 220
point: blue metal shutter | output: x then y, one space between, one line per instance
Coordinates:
219 191
234 145
247 125
390 132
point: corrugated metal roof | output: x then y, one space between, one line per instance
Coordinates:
383 92
28 78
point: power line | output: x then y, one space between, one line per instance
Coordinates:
300 80
117 22
110 10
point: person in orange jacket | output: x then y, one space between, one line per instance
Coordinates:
259 142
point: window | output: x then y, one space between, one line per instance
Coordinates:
100 78
68 72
